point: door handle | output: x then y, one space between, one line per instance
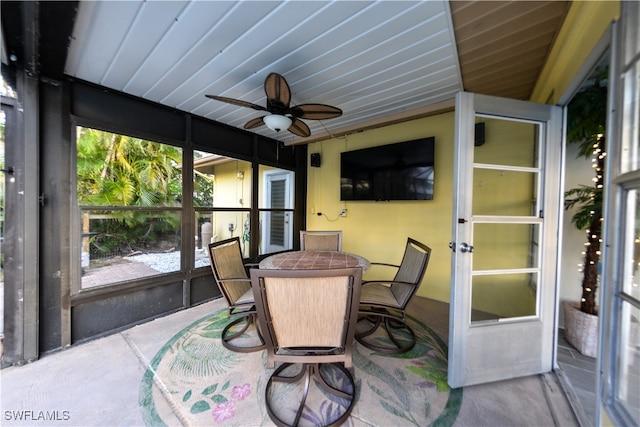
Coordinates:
466 248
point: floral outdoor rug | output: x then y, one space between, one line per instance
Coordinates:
201 383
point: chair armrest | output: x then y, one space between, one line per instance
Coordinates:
387 282
249 266
381 281
385 264
236 279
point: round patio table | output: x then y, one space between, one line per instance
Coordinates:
313 260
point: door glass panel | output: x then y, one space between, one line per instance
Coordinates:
505 246
628 372
277 218
2 211
631 286
631 118
501 296
508 143
628 369
504 192
506 174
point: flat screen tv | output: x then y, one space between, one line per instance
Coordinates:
401 171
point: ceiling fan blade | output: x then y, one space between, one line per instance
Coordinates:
254 123
315 111
237 102
300 128
278 92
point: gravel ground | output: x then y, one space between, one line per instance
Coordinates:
166 263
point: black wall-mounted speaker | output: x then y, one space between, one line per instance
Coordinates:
315 160
479 134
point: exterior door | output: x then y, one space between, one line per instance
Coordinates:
505 239
277 221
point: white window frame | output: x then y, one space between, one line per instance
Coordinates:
624 104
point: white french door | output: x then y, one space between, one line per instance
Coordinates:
504 239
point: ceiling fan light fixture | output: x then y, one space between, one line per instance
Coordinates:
280 115
277 122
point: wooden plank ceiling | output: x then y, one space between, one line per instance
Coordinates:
502 45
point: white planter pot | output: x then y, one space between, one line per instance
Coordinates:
581 329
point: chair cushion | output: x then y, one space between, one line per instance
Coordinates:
246 298
375 293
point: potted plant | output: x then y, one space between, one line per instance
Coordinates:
586 126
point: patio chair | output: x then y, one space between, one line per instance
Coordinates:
309 319
230 274
320 240
384 302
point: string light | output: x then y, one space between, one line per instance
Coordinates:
593 236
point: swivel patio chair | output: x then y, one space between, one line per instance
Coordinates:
234 283
308 319
384 302
320 240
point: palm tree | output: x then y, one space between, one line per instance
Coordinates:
118 170
586 126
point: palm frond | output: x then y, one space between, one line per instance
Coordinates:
588 202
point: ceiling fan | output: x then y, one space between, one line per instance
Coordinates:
281 115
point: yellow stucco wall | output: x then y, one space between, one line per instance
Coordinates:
231 191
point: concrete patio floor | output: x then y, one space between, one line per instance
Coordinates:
97 383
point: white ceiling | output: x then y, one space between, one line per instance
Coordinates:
371 59
379 61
